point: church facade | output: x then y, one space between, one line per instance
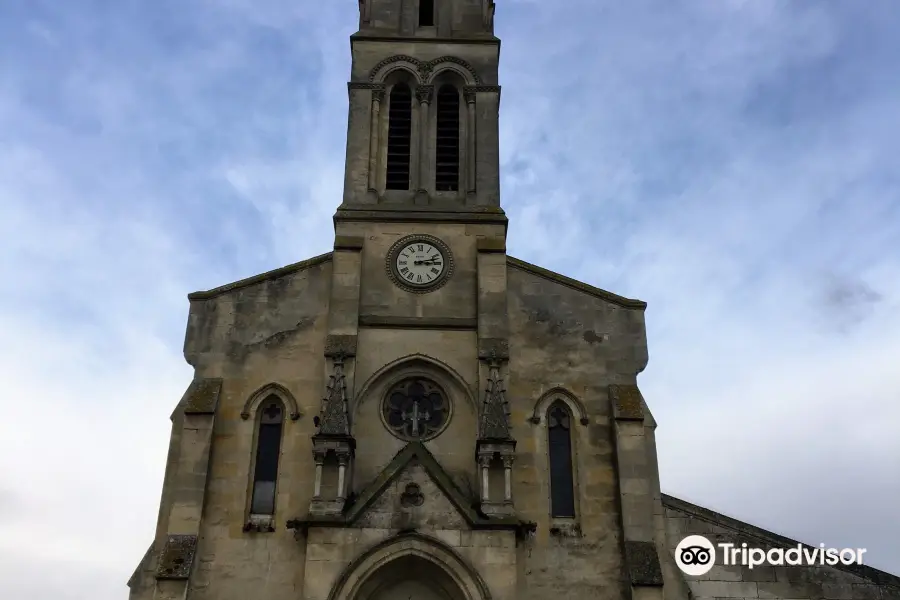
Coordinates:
416 414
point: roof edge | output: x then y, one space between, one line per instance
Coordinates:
273 274
575 284
137 571
864 571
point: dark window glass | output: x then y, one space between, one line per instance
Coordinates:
268 448
399 136
447 146
426 13
562 496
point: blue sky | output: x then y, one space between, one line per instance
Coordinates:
734 163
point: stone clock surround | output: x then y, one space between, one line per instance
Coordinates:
391 267
478 253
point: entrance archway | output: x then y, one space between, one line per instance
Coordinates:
409 577
411 566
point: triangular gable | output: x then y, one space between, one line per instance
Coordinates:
412 451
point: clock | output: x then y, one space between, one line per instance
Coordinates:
419 263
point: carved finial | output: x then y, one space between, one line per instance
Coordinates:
495 412
334 420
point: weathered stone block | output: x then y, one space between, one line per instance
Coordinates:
493 348
340 345
642 563
202 396
627 402
177 557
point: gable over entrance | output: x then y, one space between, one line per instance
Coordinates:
415 465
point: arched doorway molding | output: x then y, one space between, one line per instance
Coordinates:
361 580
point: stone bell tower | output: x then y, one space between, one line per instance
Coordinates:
424 104
422 173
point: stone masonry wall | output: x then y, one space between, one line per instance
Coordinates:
563 337
250 334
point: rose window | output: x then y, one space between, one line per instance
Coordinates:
415 409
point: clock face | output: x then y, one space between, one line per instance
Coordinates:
420 263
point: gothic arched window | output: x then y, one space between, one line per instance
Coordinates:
426 13
268 449
446 171
399 137
562 481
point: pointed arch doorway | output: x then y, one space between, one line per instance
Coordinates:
410 567
410 578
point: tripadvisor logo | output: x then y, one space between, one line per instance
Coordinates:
695 555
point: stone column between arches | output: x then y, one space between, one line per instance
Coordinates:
424 96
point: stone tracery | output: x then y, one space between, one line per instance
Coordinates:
415 409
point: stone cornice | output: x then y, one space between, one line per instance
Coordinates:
488 39
419 214
274 274
575 284
364 85
377 321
